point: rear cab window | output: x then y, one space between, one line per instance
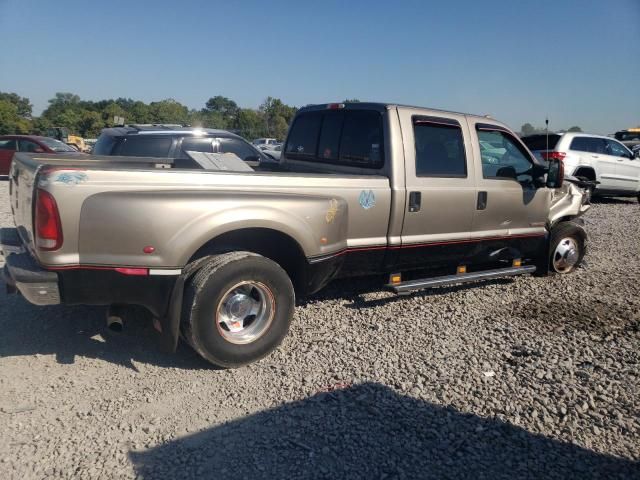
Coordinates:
339 137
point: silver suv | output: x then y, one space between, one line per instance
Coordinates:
593 157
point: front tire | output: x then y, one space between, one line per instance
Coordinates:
567 248
237 308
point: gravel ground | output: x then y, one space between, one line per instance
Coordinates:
521 378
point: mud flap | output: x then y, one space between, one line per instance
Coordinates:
170 323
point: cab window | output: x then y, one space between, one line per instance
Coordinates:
503 157
8 144
28 146
439 148
617 150
240 148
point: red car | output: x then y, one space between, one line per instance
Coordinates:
9 144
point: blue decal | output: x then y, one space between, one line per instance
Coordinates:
71 178
367 199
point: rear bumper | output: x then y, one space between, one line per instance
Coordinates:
37 285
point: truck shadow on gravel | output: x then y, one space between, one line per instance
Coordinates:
370 431
72 332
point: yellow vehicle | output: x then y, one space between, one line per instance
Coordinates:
63 134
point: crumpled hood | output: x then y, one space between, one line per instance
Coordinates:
567 201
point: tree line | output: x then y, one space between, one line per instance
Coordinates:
87 118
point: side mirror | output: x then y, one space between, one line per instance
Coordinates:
636 153
555 174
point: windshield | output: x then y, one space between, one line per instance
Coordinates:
57 145
628 136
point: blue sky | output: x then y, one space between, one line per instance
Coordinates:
576 61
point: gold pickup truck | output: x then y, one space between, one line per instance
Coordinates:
418 197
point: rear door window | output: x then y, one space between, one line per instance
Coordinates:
588 144
196 145
439 148
541 142
242 149
145 146
28 146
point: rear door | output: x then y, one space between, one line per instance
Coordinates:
511 211
441 190
593 151
627 166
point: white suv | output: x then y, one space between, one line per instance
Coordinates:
593 157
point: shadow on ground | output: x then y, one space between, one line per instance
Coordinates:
370 431
72 332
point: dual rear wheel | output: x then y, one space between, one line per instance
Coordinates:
237 308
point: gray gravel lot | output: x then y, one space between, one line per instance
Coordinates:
520 378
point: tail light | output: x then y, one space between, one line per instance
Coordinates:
48 227
554 155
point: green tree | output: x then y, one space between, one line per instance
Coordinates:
527 129
90 124
250 123
11 121
277 116
168 111
223 105
574 129
23 105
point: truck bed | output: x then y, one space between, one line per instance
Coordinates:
111 207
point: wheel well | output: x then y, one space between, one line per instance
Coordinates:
275 245
586 172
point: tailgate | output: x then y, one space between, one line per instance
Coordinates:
21 190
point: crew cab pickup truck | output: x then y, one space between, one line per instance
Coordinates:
404 193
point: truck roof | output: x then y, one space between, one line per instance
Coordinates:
382 106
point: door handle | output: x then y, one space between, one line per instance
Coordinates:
482 201
595 156
415 201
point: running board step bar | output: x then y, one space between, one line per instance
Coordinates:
411 285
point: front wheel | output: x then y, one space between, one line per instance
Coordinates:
567 248
237 308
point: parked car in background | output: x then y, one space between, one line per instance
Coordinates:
173 142
9 144
273 151
593 157
630 137
265 141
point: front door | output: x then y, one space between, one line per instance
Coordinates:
441 191
510 218
627 167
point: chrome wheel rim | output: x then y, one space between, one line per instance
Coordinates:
566 255
245 312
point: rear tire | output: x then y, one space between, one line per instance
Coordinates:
567 248
237 308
